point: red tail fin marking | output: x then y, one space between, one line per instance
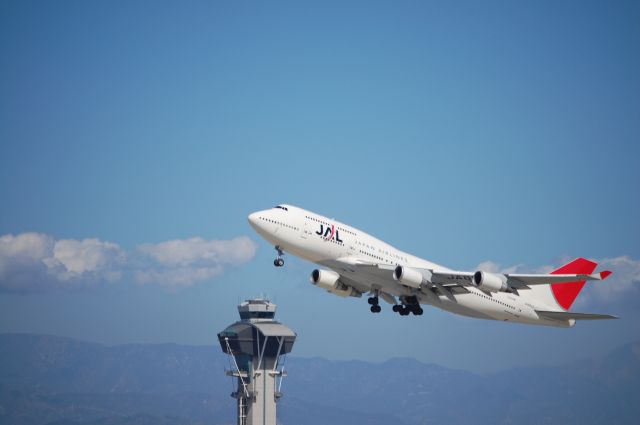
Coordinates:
567 292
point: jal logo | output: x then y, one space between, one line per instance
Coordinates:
329 233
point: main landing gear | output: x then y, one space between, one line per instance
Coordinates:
409 305
375 304
279 262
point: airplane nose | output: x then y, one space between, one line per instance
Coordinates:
253 219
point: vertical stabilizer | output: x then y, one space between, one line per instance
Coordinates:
566 293
560 296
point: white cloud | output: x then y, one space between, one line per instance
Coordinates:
491 267
36 261
88 257
184 262
22 265
197 250
28 246
624 280
488 266
32 261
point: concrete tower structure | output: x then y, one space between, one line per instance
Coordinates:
255 344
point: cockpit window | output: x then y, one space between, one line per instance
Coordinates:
281 207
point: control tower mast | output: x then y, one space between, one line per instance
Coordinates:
255 344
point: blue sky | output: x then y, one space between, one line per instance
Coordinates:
462 132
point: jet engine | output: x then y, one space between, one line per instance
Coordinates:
491 282
330 280
409 277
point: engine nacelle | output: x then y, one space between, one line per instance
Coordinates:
491 282
330 280
409 277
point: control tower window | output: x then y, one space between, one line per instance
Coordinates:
257 315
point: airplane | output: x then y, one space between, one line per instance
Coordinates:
357 263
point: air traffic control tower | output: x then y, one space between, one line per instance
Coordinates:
255 344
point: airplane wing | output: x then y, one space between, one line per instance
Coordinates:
445 282
451 279
385 271
516 280
566 315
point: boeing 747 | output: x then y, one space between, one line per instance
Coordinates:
356 263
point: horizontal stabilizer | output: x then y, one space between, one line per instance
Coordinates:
545 279
566 315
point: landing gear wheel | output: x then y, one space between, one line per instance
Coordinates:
404 311
279 262
418 311
376 309
396 308
372 300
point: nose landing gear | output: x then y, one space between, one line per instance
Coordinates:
279 262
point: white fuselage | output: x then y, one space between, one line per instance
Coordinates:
335 245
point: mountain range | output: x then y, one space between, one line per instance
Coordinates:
49 380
